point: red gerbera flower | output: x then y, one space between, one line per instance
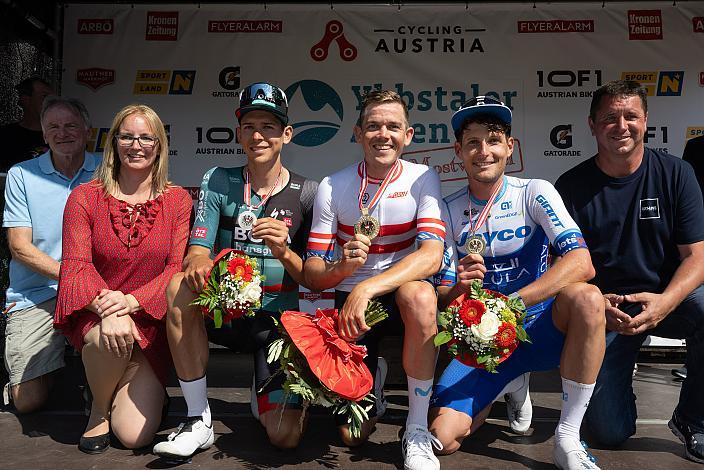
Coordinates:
471 312
239 268
506 335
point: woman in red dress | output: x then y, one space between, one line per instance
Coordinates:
124 236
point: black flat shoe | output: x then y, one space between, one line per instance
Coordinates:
95 444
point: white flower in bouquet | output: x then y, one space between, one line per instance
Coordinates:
251 292
487 328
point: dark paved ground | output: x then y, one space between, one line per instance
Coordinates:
47 440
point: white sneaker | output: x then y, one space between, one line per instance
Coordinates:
417 448
190 436
253 403
571 454
519 408
382 368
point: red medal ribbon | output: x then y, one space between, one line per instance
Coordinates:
485 212
248 190
392 174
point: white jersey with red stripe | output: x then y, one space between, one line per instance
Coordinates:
408 212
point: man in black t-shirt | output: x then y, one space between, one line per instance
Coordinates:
694 155
642 217
24 139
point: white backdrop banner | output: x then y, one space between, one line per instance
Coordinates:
188 61
544 61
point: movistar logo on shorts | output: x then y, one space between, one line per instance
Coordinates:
323 116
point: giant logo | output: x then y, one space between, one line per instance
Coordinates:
322 99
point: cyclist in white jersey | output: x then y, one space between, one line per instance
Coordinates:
403 201
565 315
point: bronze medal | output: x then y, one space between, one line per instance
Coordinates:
475 245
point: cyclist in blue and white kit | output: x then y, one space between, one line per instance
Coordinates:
565 318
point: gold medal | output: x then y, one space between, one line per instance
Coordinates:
367 225
475 245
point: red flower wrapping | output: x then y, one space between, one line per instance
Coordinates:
335 362
471 312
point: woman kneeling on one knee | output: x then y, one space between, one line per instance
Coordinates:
124 236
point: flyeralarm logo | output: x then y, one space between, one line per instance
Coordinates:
95 77
245 26
555 26
644 25
96 26
162 26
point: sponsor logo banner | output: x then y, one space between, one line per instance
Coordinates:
561 139
96 26
162 26
698 24
324 116
245 26
555 26
650 208
162 82
568 83
95 77
701 78
228 79
666 83
644 25
694 132
333 32
442 38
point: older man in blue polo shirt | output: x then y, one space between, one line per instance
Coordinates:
35 196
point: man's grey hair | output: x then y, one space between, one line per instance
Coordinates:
72 103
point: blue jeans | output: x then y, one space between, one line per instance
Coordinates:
611 416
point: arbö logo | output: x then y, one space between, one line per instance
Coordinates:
320 98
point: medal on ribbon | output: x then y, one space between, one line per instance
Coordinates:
247 218
367 224
475 244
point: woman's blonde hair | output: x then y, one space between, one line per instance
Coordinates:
109 168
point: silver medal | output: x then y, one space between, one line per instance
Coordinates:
246 219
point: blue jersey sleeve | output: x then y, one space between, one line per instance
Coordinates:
207 217
546 208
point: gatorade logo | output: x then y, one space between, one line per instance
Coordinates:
333 32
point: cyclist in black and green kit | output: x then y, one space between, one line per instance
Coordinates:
264 210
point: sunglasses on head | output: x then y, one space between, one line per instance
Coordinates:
262 92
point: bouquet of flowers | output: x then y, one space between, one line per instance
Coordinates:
322 368
482 328
233 288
